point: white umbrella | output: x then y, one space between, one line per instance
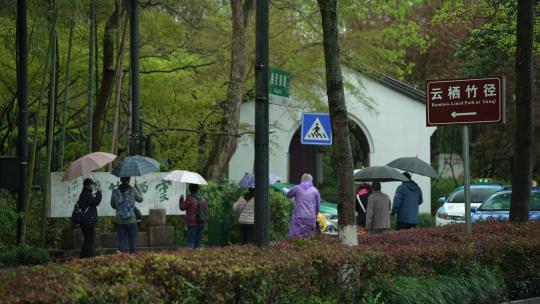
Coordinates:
184 176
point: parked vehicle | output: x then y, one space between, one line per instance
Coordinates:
329 210
497 206
453 208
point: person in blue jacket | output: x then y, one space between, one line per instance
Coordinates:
406 201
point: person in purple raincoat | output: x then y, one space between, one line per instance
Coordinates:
307 201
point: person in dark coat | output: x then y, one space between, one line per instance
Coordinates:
195 227
88 203
407 200
364 190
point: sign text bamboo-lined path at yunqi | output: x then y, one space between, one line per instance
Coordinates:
465 101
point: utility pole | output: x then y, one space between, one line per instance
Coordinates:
135 141
261 124
22 117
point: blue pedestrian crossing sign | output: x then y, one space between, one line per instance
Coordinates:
316 129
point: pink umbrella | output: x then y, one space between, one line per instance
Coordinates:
87 164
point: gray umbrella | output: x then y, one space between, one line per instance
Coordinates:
414 165
379 174
135 166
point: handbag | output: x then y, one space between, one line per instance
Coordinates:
77 213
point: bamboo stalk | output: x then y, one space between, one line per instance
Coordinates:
50 134
66 99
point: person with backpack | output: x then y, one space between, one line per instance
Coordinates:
196 215
123 200
87 208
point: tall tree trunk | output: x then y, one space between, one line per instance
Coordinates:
343 162
107 78
523 160
50 133
119 75
225 145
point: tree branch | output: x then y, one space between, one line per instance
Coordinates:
198 131
185 67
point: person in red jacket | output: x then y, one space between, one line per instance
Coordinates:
195 223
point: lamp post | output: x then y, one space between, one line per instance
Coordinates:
135 138
22 116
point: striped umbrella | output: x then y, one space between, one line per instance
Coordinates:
135 166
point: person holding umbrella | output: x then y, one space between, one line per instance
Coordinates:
123 200
364 190
245 208
196 209
406 201
378 211
88 204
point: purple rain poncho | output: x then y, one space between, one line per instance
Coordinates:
307 201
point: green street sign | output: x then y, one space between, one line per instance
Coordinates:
279 82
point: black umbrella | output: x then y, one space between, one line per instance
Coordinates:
379 174
414 165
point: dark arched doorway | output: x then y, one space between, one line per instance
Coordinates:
318 160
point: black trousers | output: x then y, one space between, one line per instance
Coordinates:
89 243
403 226
247 234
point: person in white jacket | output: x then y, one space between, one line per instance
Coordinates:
245 208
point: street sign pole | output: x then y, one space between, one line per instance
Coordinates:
466 178
262 237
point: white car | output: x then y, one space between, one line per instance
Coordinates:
453 208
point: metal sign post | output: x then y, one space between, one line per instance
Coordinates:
262 214
467 179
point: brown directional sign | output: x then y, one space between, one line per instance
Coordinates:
464 101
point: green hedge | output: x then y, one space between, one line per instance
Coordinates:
221 198
443 263
24 255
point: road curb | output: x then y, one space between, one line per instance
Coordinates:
526 301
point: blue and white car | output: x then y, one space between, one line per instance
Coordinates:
497 207
453 208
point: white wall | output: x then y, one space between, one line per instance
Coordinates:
156 193
395 129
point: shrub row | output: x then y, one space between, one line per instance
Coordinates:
381 268
24 255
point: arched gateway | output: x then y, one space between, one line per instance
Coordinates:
386 123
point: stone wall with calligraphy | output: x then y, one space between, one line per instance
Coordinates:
157 193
